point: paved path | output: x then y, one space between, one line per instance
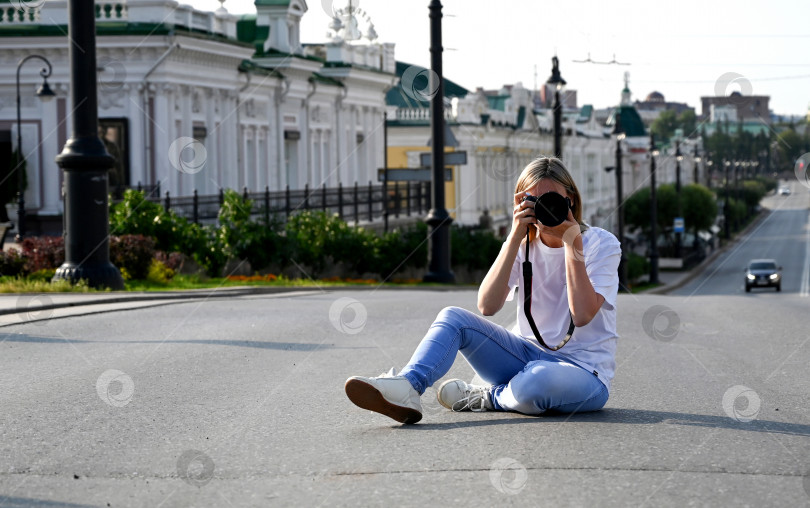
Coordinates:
238 401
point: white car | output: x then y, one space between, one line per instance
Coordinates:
784 191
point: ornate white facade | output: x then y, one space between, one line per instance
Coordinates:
192 100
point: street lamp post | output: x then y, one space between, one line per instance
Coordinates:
653 215
678 159
696 169
86 164
45 93
619 131
736 193
438 218
726 205
558 82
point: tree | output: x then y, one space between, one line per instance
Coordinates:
688 122
664 126
699 207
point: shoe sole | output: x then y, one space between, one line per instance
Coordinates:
366 396
439 394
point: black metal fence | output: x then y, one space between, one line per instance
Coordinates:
355 203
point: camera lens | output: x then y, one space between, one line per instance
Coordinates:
551 209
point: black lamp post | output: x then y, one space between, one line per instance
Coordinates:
558 82
736 193
726 204
678 159
45 93
86 164
709 170
438 219
619 131
696 169
653 215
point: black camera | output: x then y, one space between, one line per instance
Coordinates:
551 209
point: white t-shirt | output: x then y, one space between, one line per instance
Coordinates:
592 346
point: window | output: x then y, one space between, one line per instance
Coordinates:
114 133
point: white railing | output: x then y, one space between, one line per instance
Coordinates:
54 12
111 11
18 13
417 114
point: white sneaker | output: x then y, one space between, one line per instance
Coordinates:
457 395
388 394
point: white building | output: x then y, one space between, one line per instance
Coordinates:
201 100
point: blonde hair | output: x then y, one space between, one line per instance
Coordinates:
553 169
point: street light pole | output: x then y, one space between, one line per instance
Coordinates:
726 205
678 158
86 164
619 131
438 218
45 93
653 215
558 82
696 174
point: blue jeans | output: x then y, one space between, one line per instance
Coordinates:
523 377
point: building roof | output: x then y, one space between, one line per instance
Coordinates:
630 121
398 97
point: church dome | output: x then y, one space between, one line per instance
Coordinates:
655 97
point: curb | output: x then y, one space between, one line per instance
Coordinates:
703 265
190 294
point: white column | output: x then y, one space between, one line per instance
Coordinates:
231 168
351 146
212 150
185 181
339 150
163 137
137 143
279 137
50 171
259 169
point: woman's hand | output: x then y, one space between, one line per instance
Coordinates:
522 217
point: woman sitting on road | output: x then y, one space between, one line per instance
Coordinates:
575 271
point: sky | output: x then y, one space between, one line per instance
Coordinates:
684 50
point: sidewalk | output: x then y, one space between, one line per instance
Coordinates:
33 307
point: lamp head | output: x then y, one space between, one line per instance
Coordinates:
555 78
44 91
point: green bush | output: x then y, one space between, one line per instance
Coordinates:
473 248
133 253
11 263
43 252
159 273
260 243
637 266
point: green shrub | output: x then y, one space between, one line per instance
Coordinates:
637 266
159 273
43 252
258 242
44 275
315 237
11 263
473 248
134 253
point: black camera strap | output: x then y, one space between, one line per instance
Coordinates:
527 304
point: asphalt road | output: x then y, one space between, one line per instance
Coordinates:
239 402
784 235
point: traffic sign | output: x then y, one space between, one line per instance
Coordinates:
411 175
450 159
678 225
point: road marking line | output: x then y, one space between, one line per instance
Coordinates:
805 287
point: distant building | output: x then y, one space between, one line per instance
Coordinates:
749 107
654 104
